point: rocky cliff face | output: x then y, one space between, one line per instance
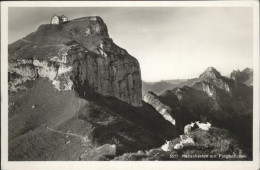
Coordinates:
77 55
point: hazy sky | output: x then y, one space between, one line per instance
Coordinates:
169 43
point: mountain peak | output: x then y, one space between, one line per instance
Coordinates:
212 76
245 76
210 72
247 70
82 57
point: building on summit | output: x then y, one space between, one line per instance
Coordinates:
58 19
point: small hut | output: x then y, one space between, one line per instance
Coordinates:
59 19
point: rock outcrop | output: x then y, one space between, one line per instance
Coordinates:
78 55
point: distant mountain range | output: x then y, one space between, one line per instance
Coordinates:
245 76
223 101
162 86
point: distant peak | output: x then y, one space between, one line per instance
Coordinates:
210 72
235 73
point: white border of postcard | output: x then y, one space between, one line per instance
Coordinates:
178 165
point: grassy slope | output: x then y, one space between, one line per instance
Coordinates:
31 135
29 138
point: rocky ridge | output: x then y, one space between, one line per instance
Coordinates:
245 76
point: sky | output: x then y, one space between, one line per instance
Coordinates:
169 42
